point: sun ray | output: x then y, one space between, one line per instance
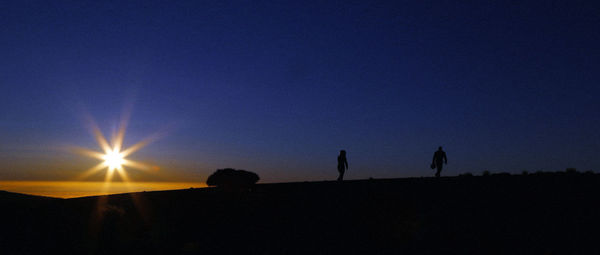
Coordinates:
102 142
118 138
100 139
87 152
123 174
136 165
141 144
109 174
92 171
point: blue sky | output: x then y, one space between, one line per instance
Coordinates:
280 87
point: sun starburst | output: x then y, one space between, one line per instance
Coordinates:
113 156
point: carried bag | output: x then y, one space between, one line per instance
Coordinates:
432 165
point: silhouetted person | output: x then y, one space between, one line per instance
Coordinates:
342 164
439 158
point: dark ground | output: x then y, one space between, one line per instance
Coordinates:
534 214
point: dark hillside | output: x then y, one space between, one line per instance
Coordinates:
16 214
11 198
533 214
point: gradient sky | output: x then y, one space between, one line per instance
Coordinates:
280 87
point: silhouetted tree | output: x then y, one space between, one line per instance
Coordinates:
232 180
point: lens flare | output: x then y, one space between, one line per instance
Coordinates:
113 156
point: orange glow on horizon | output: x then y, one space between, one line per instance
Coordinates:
71 189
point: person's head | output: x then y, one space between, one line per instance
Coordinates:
440 148
343 153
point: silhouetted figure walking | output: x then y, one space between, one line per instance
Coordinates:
439 158
342 164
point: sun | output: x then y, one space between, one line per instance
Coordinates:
113 155
113 159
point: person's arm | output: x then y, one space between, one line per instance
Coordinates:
445 158
433 160
346 162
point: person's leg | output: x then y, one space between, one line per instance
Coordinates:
341 177
439 170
